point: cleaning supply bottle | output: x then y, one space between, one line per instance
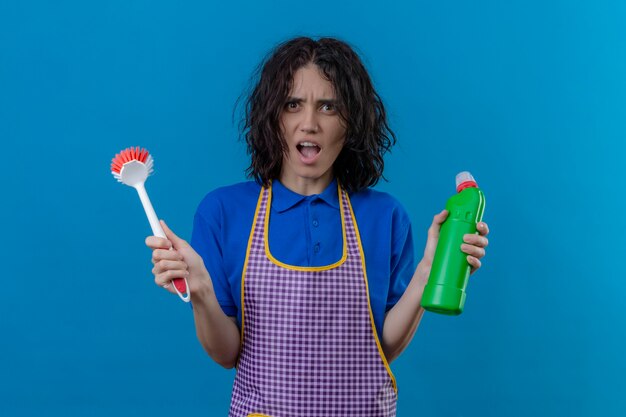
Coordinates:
445 291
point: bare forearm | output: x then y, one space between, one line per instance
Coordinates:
218 333
402 320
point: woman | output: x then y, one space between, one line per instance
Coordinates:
304 279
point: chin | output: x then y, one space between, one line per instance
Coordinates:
310 173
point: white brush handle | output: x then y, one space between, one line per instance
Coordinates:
157 230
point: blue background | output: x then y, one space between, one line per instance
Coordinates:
530 96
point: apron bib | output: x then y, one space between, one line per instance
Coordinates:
309 344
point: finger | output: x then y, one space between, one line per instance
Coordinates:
473 250
482 228
176 241
474 263
441 217
169 287
163 266
164 254
438 219
476 240
155 242
166 277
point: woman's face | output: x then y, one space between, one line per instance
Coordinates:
313 130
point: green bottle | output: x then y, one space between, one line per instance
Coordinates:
445 291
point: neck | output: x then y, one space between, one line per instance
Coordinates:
306 186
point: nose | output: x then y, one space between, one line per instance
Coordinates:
309 122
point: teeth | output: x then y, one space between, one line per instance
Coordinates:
311 144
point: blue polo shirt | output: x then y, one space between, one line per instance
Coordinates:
304 231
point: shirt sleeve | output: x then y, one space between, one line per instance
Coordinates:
206 240
402 257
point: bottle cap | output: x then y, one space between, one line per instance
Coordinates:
464 180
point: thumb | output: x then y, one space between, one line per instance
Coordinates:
177 242
433 234
438 219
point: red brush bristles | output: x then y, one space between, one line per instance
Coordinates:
127 155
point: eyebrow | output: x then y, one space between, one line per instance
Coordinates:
292 99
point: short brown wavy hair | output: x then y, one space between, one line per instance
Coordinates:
360 163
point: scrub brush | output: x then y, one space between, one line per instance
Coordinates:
132 167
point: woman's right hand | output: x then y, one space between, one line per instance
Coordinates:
180 262
218 333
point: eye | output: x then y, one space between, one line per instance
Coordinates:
329 107
291 105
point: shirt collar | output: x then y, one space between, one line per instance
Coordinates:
283 198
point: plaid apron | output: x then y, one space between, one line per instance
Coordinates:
309 344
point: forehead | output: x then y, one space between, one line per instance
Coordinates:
309 80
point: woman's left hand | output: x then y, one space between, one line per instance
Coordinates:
474 245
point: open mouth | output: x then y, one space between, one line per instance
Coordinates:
308 150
